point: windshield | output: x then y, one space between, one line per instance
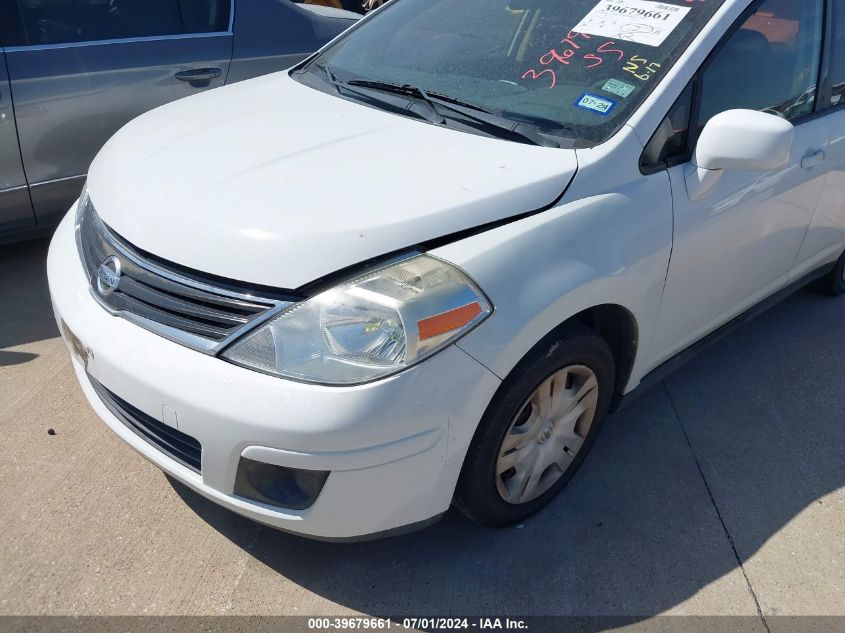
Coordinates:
578 66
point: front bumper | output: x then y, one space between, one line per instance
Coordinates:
394 447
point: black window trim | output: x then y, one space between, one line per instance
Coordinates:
647 169
823 87
831 15
119 40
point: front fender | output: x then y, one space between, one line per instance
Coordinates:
611 248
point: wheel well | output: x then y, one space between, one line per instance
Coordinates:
618 327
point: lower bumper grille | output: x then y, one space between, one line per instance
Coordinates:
183 448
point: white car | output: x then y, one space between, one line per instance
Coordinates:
422 267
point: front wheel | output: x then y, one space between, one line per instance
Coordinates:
538 429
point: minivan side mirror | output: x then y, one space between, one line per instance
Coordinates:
743 140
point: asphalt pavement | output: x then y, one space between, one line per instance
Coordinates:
719 492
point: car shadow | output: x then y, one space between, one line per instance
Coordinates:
693 477
8 359
25 309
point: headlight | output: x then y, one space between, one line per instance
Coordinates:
367 328
82 203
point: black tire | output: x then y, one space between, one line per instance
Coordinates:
477 494
833 283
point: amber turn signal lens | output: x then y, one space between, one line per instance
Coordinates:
448 321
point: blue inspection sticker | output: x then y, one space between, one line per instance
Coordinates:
595 103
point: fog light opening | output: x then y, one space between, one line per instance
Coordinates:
290 488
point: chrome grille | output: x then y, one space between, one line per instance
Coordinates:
163 298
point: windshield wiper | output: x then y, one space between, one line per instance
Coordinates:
406 106
386 86
329 74
529 131
490 122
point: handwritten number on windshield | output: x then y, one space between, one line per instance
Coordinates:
641 68
604 49
533 74
567 54
570 39
595 58
553 55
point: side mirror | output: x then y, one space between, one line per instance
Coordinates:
743 140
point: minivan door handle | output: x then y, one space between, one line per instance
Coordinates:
813 159
199 77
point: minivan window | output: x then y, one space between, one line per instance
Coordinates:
10 25
837 58
581 66
771 63
64 21
205 16
67 21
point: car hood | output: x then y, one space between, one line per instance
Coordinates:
271 182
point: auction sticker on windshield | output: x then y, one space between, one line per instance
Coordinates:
639 21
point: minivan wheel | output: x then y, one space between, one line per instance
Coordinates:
538 429
833 283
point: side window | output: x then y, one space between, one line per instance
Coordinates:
65 21
205 16
770 64
10 25
837 58
672 136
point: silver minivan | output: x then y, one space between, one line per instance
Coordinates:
72 72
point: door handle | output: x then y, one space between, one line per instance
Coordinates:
199 77
813 159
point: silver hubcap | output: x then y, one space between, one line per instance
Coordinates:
546 434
